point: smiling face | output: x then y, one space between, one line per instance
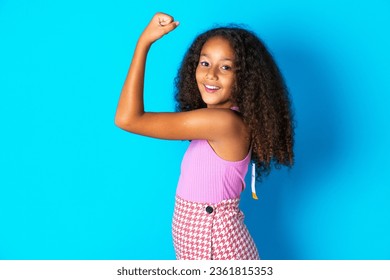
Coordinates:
215 73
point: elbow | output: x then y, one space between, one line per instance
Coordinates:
122 123
128 124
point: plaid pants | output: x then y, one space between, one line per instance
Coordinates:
204 231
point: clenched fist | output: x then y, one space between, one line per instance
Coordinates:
160 25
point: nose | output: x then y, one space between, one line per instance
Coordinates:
211 74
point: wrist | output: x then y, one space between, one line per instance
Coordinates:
144 42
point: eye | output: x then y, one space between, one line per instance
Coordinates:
204 63
226 67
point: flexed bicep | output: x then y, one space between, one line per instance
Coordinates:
209 124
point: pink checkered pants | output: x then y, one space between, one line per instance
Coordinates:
204 231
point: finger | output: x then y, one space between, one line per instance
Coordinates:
171 26
164 19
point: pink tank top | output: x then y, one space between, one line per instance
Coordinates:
205 177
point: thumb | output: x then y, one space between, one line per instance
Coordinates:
171 26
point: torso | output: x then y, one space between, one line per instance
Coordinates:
212 171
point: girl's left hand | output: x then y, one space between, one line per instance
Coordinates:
160 25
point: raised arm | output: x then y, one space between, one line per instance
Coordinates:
131 106
210 124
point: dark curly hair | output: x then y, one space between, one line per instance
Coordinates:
261 96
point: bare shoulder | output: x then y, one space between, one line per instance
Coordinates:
234 143
227 120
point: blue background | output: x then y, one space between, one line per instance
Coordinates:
74 186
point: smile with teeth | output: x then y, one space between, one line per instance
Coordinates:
210 88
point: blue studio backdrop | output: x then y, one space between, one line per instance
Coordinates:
74 186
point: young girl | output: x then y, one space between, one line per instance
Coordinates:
234 108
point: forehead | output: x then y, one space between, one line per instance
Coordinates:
218 46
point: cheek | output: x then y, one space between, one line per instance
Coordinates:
230 83
198 74
198 79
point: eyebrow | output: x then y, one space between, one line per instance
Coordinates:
223 59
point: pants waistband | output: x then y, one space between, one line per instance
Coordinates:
227 204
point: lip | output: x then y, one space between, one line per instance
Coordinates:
211 88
